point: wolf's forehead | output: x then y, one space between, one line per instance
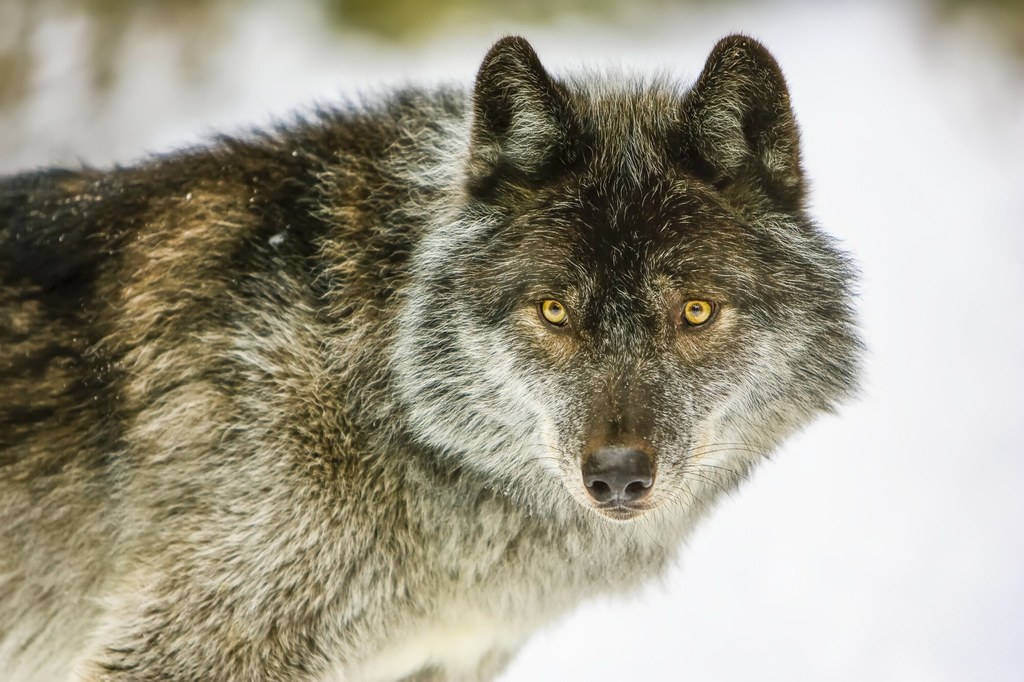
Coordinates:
621 242
644 214
632 123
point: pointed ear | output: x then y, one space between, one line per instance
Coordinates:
521 121
741 127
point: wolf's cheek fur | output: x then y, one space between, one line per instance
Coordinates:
468 395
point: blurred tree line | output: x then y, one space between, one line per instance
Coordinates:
192 22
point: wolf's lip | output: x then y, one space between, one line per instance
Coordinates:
621 512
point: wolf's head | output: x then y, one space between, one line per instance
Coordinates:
625 298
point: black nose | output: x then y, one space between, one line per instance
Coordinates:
618 474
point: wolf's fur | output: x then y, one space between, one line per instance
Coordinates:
283 408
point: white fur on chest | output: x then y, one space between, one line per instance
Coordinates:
457 646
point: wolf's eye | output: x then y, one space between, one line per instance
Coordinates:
698 312
552 311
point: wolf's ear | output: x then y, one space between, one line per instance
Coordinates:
741 128
521 119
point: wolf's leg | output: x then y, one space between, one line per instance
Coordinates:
489 667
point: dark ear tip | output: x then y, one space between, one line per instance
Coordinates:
511 42
510 58
738 49
516 47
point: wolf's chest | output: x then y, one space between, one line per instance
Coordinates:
456 646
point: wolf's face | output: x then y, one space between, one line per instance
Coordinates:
629 302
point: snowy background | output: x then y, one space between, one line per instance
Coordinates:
886 543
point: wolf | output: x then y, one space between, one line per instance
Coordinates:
376 394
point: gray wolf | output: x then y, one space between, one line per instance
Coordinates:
376 394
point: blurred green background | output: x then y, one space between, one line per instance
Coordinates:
195 23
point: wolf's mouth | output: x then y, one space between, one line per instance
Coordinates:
622 512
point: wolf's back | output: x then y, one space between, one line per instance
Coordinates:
97 270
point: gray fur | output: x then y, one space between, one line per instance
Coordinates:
283 408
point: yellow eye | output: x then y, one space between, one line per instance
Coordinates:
698 312
552 311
